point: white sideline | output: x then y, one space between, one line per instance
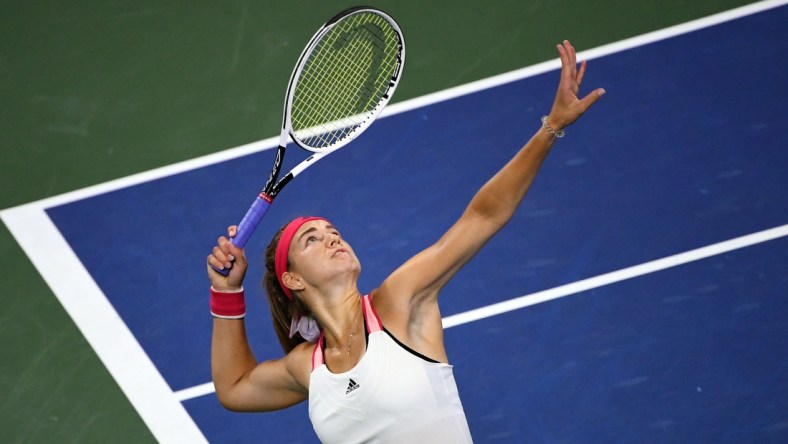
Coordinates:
616 276
105 331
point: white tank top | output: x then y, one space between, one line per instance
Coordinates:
393 395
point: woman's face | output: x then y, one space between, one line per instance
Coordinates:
319 255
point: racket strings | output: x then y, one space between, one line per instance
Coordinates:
346 92
342 116
344 79
357 59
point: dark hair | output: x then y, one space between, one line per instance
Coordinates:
282 308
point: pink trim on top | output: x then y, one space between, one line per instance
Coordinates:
317 353
373 320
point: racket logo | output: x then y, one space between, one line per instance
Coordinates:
371 38
345 80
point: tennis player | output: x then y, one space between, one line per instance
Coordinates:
373 367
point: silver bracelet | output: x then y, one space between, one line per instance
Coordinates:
559 133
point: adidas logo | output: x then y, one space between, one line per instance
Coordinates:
351 386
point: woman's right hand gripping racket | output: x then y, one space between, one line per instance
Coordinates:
343 79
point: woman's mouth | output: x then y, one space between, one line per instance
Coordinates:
338 252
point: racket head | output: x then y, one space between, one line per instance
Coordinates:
344 78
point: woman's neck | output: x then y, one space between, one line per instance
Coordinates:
341 322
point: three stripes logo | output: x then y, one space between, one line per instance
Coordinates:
353 385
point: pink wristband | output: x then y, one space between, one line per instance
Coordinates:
228 304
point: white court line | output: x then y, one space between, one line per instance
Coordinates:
159 407
101 325
196 391
616 276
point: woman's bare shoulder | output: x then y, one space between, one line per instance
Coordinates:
299 362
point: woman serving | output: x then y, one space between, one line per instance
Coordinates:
373 367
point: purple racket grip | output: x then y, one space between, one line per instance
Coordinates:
248 224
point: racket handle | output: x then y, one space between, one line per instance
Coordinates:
248 224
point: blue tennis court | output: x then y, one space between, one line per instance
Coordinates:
685 151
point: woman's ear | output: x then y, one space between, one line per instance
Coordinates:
292 281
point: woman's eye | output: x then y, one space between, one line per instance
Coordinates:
310 239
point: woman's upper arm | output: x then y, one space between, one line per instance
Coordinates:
271 385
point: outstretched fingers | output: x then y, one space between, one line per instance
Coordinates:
570 50
568 106
566 64
581 73
591 98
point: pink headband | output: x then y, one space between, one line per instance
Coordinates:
283 249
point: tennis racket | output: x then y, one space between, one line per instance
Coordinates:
343 79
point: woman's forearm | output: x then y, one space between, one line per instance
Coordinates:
499 198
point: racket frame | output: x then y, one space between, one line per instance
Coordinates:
272 187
